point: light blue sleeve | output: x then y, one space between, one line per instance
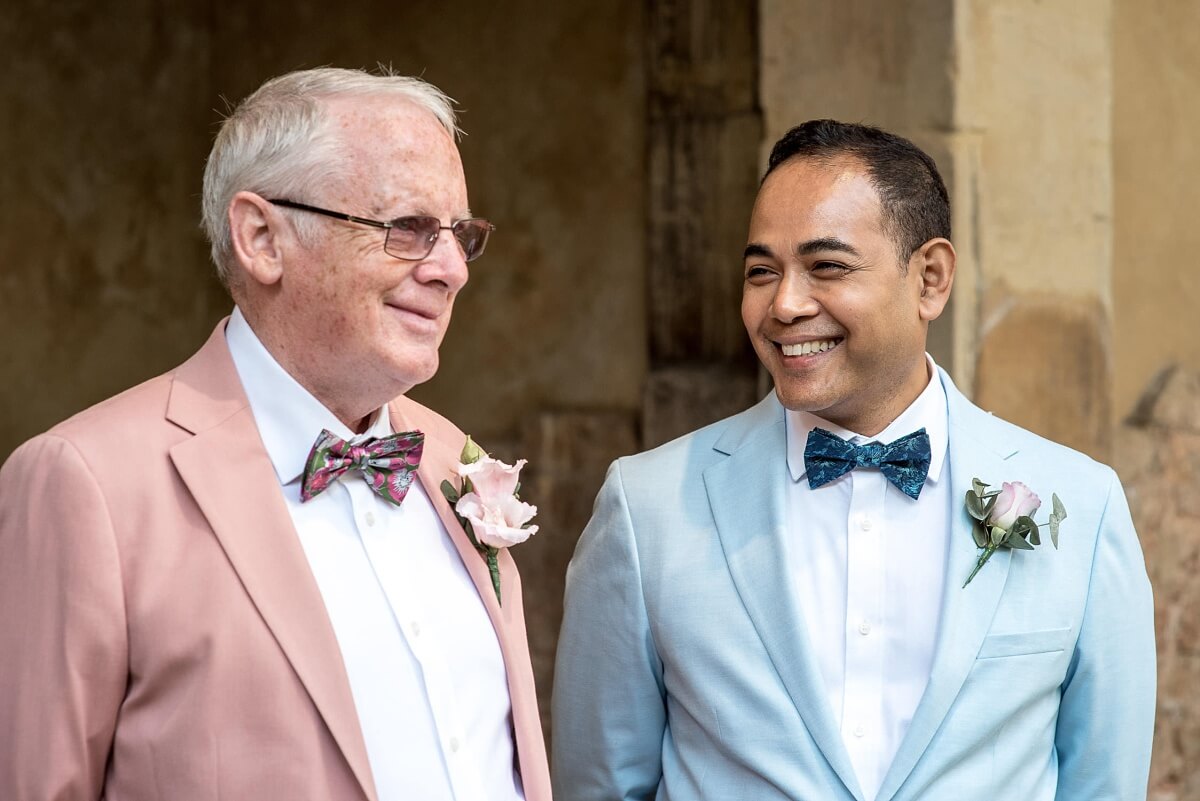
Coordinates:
609 714
1106 718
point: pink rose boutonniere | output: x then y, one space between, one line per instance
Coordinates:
487 505
1003 518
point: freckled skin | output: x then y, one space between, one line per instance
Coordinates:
355 326
864 298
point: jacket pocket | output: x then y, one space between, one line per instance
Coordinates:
1024 643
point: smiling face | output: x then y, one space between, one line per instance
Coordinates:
355 326
835 318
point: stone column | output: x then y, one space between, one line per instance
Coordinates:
703 127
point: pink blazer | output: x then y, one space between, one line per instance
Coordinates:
161 634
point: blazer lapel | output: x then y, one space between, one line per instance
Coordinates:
966 612
746 492
438 464
231 478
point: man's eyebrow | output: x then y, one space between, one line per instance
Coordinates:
825 243
755 249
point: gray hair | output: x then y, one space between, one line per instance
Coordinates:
277 142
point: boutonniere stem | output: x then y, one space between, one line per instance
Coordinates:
1003 518
488 507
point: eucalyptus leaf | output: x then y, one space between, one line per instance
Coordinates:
1018 543
1028 525
1060 511
978 486
998 535
979 532
450 493
1054 531
991 493
975 506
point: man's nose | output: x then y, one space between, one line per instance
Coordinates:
446 262
794 299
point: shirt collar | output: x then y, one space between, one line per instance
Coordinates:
928 411
288 417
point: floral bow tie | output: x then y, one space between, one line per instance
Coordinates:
387 463
904 462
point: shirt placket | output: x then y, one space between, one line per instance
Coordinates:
372 520
865 575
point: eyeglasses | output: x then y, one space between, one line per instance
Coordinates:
413 238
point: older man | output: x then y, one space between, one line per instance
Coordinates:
202 598
803 601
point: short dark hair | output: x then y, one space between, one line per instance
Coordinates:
915 204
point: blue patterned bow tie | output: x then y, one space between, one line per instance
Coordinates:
904 462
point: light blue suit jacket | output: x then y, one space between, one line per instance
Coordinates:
684 670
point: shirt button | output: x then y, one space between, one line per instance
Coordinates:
864 627
370 518
454 745
865 523
860 732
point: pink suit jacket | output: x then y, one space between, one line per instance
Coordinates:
161 634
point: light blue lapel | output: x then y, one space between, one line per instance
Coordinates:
746 493
976 451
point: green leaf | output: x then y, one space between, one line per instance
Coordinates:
1018 543
1060 511
978 486
1028 525
450 493
975 506
998 535
991 493
979 532
1054 531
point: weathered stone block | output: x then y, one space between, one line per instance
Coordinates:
682 399
1044 364
568 454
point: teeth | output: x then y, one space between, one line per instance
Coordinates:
807 348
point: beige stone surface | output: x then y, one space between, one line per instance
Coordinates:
1158 459
1156 160
1043 363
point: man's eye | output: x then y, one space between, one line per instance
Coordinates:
829 266
757 272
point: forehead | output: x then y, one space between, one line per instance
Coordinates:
816 198
397 153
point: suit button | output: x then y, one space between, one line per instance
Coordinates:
864 627
865 523
370 518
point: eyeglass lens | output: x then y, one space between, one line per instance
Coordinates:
414 237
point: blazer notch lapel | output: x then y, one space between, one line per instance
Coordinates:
746 494
232 481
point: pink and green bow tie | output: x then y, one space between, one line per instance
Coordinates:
387 463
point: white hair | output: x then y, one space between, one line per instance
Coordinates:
277 142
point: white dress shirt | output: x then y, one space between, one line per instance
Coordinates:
869 562
422 657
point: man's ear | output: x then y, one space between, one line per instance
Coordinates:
255 226
934 263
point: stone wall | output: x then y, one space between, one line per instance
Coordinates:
1158 458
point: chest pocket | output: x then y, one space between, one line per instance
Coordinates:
1025 643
